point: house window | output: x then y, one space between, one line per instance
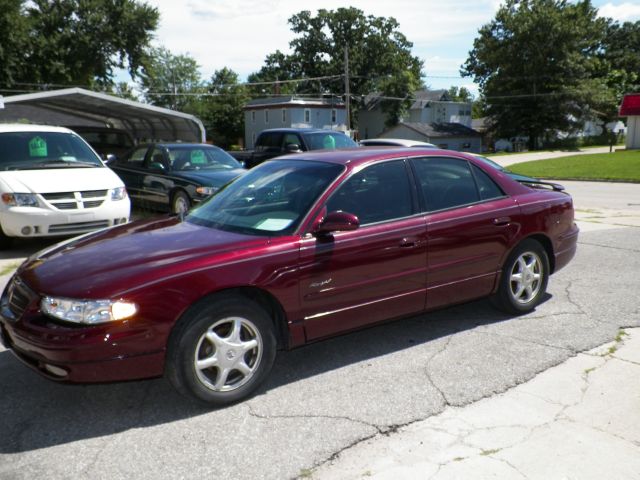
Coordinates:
253 116
266 116
284 115
253 139
307 115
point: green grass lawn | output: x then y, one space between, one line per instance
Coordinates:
618 166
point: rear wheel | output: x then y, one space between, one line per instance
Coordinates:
222 352
524 278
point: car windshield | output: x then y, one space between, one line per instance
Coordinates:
37 150
327 140
270 199
200 157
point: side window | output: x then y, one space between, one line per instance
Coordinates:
136 159
486 186
377 193
446 182
157 158
291 139
269 142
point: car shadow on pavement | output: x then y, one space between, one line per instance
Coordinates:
36 413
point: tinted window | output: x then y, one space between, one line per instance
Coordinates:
446 182
487 187
377 193
269 142
270 199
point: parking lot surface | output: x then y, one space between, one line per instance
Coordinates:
326 398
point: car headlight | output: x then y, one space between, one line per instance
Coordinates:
119 193
202 190
20 199
89 312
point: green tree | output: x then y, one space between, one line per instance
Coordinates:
536 63
72 42
14 37
172 81
460 94
223 110
379 55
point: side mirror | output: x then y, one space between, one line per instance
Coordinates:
292 148
338 222
157 167
110 158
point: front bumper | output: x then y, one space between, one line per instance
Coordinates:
125 350
46 222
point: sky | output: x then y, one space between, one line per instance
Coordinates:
239 34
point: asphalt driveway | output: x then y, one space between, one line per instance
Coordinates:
324 398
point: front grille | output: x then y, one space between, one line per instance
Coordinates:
76 200
66 206
18 297
93 193
59 196
78 227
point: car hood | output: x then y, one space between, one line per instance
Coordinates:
210 178
111 262
59 180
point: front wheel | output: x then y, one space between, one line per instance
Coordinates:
524 278
180 203
222 352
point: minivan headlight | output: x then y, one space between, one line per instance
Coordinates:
20 199
119 193
88 312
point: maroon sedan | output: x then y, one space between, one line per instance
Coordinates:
296 250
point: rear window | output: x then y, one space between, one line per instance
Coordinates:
32 150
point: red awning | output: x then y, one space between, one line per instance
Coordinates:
630 105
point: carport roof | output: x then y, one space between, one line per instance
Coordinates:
80 107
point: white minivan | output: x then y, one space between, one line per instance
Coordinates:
53 184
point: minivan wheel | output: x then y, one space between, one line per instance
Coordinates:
222 352
524 278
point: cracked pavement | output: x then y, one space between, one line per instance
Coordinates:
576 420
326 402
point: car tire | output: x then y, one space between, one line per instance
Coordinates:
180 203
221 351
524 278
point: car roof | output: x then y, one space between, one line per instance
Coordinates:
302 130
176 144
360 155
399 142
28 127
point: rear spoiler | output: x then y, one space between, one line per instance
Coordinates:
556 187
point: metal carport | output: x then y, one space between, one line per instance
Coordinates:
80 107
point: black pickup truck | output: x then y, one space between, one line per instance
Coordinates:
281 141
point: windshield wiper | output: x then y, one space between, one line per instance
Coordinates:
59 161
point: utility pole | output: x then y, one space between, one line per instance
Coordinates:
347 97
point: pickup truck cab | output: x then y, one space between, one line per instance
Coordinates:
282 141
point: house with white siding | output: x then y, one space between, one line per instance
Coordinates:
429 106
292 112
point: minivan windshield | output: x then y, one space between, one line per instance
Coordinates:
38 150
271 199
